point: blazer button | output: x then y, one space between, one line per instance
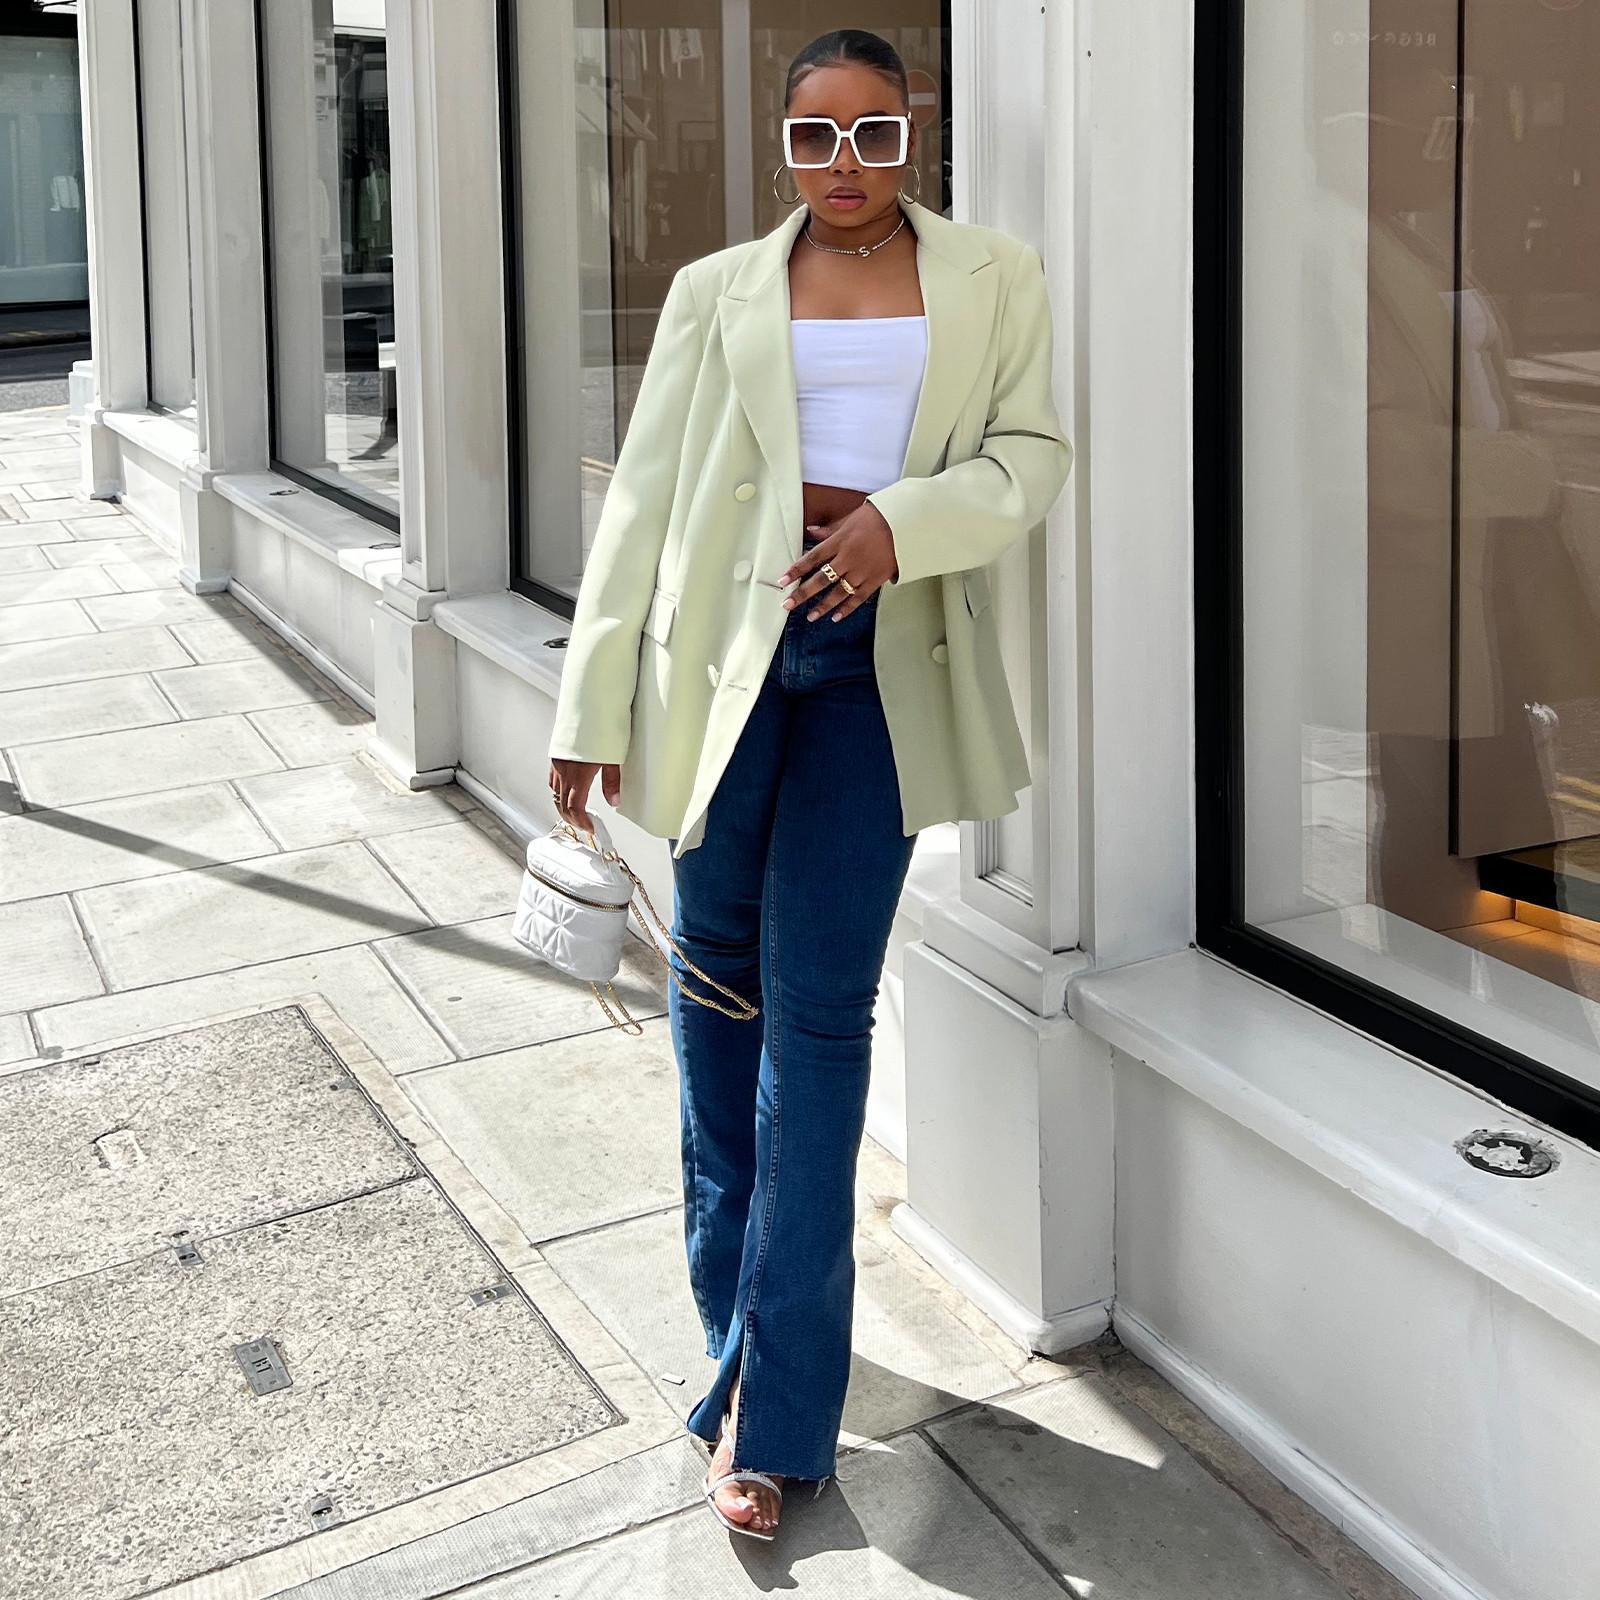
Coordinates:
941 652
711 673
742 570
745 491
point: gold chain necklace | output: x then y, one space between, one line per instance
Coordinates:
860 250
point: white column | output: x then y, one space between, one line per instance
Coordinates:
1138 589
113 214
1008 1101
227 272
450 340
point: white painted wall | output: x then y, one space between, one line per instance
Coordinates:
1442 1418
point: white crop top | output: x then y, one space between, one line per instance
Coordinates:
857 380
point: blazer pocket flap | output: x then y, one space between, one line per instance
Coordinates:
658 620
975 586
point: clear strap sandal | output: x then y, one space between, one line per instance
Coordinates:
743 1476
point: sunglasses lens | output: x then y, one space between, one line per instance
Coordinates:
878 141
811 143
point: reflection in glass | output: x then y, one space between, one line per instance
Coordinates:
1422 504
163 171
647 135
44 258
332 261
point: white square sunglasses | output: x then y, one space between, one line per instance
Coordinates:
878 141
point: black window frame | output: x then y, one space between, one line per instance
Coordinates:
349 501
542 594
1526 1085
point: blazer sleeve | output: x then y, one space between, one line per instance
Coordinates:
966 515
593 717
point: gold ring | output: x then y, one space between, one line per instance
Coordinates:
829 573
849 588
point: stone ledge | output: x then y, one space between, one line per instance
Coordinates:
1375 1122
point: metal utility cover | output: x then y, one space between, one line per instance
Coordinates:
135 1453
105 1158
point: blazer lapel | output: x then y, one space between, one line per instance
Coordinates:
959 293
754 316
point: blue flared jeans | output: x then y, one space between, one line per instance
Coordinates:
788 900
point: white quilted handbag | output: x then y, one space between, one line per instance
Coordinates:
572 912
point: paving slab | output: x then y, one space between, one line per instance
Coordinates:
101 552
897 1524
485 992
34 463
94 527
314 735
159 607
566 1136
209 1130
359 987
32 666
70 583
115 841
16 1041
133 577
24 558
398 1384
344 800
239 638
640 1488
220 688
53 619
83 507
1116 1503
24 535
46 959
220 917
106 766
33 716
456 872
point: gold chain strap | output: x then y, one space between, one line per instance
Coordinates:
745 1012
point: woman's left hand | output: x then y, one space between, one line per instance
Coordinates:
860 548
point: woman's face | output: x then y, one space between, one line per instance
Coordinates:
846 194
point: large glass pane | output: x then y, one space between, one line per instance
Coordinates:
164 170
648 132
331 256
44 257
1421 371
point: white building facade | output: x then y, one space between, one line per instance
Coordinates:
1264 1031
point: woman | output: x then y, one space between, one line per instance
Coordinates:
784 627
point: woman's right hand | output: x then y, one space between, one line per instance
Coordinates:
569 784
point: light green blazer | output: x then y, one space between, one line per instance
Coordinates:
672 632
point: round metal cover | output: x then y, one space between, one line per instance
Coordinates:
1506 1155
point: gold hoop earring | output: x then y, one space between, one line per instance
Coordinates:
783 199
917 173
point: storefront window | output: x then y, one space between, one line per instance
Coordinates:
164 173
331 260
44 259
643 134
1416 565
